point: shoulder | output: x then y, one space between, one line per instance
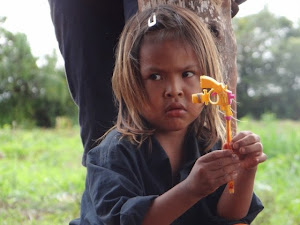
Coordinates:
113 148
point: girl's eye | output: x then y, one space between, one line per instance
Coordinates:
188 74
155 77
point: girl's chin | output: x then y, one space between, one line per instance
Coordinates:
173 128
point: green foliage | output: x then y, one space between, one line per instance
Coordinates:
30 94
268 61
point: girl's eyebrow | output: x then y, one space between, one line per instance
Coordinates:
193 66
159 69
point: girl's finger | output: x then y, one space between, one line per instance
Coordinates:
229 169
241 135
215 155
224 164
256 147
263 157
226 178
244 139
217 178
254 161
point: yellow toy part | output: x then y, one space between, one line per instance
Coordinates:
224 97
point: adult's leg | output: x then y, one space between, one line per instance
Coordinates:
87 32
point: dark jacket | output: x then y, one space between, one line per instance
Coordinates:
122 181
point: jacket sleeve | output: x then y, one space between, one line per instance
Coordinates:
116 188
255 208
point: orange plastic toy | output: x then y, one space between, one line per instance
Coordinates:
221 97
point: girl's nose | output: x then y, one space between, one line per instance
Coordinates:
174 89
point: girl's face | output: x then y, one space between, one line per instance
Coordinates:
171 74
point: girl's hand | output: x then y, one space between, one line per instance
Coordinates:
210 172
248 147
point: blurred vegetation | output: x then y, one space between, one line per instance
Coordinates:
30 95
268 65
41 180
277 180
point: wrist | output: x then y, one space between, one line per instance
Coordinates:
189 196
247 173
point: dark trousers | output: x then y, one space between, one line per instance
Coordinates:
87 32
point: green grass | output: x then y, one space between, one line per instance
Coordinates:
277 180
42 180
41 177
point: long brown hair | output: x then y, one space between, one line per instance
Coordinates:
172 23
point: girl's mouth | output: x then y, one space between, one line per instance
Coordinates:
175 109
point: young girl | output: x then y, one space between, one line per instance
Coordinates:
162 163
